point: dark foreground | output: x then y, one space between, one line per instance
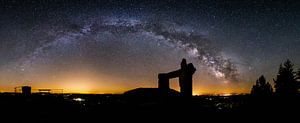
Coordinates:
98 108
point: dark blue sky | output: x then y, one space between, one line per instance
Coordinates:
126 43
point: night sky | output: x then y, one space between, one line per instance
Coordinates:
111 46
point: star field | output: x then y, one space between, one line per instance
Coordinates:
112 46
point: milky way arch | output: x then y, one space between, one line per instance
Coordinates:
195 44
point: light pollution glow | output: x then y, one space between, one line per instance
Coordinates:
88 83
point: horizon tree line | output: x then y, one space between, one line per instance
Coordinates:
286 83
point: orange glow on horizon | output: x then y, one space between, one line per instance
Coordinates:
87 89
90 85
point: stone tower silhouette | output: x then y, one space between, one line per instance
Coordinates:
185 74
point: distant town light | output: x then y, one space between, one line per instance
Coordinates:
226 94
79 99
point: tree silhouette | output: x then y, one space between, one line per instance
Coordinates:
262 87
298 75
298 78
286 82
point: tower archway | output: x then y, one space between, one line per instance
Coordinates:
185 75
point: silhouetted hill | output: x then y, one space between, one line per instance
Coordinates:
144 103
150 92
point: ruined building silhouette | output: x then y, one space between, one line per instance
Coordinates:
185 74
